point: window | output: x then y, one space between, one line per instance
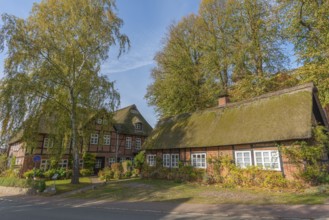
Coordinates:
99 121
138 143
166 160
243 158
63 163
44 165
105 122
94 139
98 164
151 159
174 160
267 159
139 126
198 160
48 142
107 139
112 160
128 142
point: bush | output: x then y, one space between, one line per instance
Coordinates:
117 170
50 173
38 185
3 163
127 166
89 161
86 172
128 174
139 160
30 173
106 174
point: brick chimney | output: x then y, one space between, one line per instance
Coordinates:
223 100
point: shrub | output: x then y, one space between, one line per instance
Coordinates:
106 174
50 173
139 160
86 172
308 156
3 163
128 174
117 170
126 166
38 185
29 174
89 161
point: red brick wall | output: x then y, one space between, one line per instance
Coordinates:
287 168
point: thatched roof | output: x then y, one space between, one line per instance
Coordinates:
278 116
123 121
126 118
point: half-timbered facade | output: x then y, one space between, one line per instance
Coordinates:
111 141
249 131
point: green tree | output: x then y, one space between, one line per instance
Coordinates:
52 70
306 25
231 46
179 83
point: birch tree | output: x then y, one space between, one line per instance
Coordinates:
53 64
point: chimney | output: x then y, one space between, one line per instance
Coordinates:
223 100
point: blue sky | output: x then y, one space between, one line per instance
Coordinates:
146 23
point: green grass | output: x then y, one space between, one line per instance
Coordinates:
162 191
63 186
14 182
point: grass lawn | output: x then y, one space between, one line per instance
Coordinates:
162 190
63 186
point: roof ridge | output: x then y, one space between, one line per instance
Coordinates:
129 106
268 95
234 104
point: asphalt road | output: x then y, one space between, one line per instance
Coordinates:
46 208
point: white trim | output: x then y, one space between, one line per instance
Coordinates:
272 156
151 159
166 160
174 160
138 143
241 159
107 139
199 160
48 142
128 142
94 139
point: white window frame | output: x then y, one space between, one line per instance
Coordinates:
166 160
139 126
44 164
128 142
99 121
138 143
271 159
199 160
151 159
112 160
94 139
107 139
48 142
63 163
246 162
174 160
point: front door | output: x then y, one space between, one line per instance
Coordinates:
99 164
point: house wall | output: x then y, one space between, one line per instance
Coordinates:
288 169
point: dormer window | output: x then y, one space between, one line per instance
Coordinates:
138 126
